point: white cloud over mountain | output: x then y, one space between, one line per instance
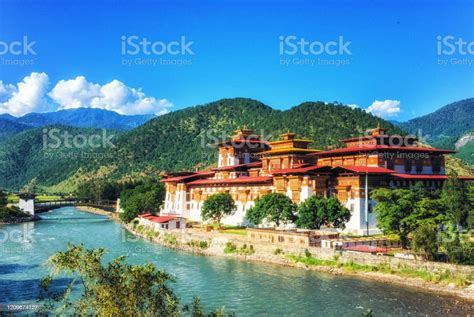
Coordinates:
26 96
386 108
31 95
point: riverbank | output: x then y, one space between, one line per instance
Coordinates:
97 211
17 220
439 278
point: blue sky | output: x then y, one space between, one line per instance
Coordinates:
236 46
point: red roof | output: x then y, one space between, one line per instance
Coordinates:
365 248
424 176
188 177
300 170
366 169
160 219
239 180
368 137
366 148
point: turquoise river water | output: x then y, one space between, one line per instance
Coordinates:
249 289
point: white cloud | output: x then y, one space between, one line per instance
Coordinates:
31 95
115 96
353 106
386 108
74 93
26 96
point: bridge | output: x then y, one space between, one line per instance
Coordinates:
28 204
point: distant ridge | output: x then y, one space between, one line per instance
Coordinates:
85 118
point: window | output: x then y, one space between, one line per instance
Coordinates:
281 239
419 166
408 166
390 164
178 224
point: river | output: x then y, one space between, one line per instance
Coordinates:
249 289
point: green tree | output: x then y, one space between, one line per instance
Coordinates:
217 206
145 196
114 289
470 197
425 240
3 199
454 196
317 211
400 211
274 207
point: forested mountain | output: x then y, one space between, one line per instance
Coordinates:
32 156
81 117
177 141
446 127
9 127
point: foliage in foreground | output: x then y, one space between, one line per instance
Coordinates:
114 289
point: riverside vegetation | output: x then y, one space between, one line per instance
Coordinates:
144 290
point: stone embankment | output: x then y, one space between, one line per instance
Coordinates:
431 276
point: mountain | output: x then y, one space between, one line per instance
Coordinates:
34 155
175 141
9 127
81 117
452 120
449 127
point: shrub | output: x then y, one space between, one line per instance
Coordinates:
230 248
170 239
307 253
278 251
424 239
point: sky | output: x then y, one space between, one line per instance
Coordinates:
396 59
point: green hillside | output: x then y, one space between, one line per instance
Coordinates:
446 126
175 141
24 158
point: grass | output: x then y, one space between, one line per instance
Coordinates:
231 248
14 199
445 277
200 244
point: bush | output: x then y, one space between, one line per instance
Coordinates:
278 251
170 239
425 240
307 253
230 248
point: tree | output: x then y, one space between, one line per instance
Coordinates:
145 196
114 289
470 197
3 199
454 196
317 211
425 240
217 206
274 207
400 211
